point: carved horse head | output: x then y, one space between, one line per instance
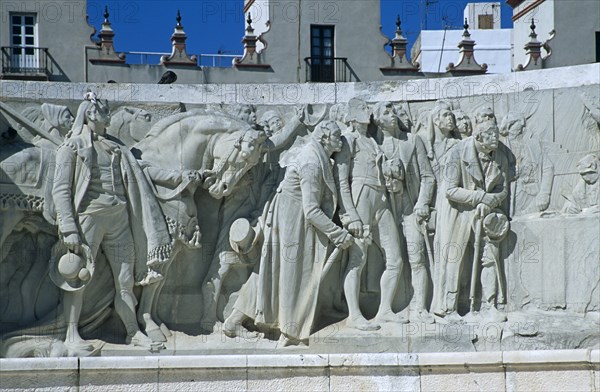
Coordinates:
233 160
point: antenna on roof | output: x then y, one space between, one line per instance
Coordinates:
424 5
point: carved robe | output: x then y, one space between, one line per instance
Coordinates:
464 176
296 245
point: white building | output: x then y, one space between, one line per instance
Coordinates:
435 49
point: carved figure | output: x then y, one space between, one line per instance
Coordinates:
130 125
483 114
533 172
463 123
56 120
410 207
476 185
365 212
103 201
297 235
438 136
586 194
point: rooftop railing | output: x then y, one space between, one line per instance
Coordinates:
204 60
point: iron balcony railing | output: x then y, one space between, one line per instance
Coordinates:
24 60
327 69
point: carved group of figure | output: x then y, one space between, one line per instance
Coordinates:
296 202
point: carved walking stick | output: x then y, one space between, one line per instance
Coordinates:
475 269
423 226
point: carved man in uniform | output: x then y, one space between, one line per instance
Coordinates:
412 205
364 205
103 200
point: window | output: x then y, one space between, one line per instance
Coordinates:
23 41
322 53
486 22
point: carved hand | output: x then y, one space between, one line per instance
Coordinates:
72 242
490 200
482 210
356 229
193 175
422 213
209 178
347 242
542 201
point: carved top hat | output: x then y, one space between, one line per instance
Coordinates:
71 272
496 225
243 237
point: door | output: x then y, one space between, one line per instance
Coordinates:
322 54
24 55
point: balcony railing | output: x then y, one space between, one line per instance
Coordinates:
327 69
204 60
24 62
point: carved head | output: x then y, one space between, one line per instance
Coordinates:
588 168
443 118
487 135
484 113
92 111
339 112
384 115
232 163
512 125
271 122
246 113
329 135
404 121
358 111
463 123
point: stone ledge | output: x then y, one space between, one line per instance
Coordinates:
471 360
302 93
38 364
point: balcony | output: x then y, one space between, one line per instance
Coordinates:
329 70
24 63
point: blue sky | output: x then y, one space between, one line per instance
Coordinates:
218 25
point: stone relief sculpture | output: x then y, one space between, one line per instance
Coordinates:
476 184
411 207
270 219
366 213
586 194
464 126
533 173
102 200
298 233
130 125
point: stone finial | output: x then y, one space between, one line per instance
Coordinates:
251 57
107 51
467 65
533 50
179 54
399 61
